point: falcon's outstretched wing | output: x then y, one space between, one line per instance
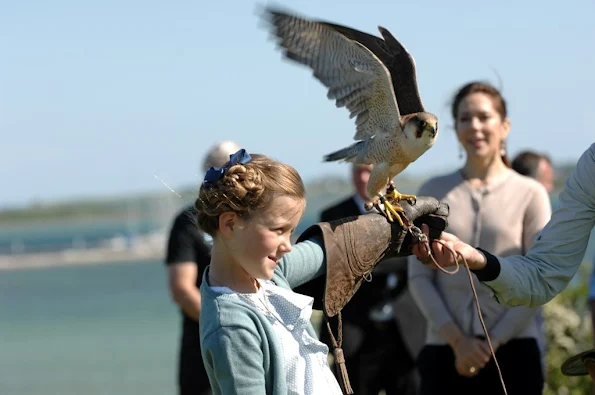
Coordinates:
397 60
355 77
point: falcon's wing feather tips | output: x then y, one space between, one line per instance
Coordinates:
355 77
397 60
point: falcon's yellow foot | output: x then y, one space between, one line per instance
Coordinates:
391 210
392 192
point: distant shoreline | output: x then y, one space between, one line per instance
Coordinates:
74 257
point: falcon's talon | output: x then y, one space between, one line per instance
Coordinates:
375 203
397 197
394 210
390 212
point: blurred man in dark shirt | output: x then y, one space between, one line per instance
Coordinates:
188 254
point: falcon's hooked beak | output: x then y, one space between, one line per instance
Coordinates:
431 128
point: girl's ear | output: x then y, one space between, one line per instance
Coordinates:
228 222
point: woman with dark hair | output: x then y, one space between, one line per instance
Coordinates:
498 209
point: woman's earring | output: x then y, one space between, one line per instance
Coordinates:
460 152
503 148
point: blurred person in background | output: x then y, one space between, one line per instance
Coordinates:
188 253
537 166
456 355
375 351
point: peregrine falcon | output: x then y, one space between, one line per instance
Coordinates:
375 79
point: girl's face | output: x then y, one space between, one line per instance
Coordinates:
480 128
258 242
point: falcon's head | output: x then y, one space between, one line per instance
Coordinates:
421 125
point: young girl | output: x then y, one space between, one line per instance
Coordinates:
255 332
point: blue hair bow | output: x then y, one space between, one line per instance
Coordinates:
214 174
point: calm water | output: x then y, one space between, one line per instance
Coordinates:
47 236
103 329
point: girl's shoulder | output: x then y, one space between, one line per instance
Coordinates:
227 312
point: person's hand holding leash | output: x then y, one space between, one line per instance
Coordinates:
475 259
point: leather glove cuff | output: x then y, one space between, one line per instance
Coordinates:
353 247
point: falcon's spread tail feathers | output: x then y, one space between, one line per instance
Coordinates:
347 154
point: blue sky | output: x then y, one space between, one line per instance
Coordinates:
98 97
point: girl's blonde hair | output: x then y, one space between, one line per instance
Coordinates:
245 188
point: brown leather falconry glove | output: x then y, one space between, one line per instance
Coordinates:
353 247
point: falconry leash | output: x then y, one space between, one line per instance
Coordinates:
423 240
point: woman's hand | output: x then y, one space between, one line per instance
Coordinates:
441 250
471 355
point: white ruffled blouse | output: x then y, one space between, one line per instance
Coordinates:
306 364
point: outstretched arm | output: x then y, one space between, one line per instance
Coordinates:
548 267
